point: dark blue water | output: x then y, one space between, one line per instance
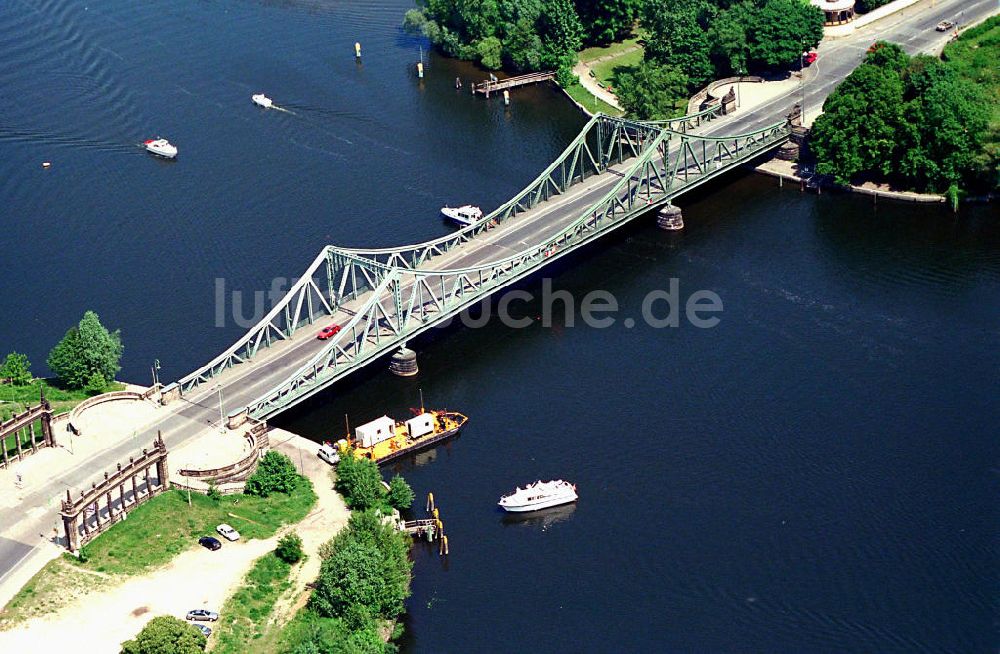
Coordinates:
818 473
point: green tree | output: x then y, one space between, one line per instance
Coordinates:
489 51
781 30
275 474
679 37
523 47
166 635
400 493
652 91
858 131
86 349
289 548
16 368
561 32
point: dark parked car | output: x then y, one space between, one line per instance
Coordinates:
202 614
209 542
203 629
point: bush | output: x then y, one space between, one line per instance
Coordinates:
400 493
360 482
366 573
275 474
166 635
95 384
290 548
214 493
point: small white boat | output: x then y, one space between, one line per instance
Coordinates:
329 454
262 100
161 147
539 495
464 215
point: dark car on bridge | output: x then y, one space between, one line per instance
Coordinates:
327 332
210 543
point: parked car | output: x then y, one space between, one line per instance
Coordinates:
945 25
228 532
202 615
203 629
809 57
329 454
327 332
210 543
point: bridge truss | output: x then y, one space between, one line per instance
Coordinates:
394 294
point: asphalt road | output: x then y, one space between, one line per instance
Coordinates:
24 528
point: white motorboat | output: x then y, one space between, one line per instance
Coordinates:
464 215
262 100
161 147
539 495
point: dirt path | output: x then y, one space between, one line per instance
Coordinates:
322 524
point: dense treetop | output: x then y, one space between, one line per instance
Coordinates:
913 121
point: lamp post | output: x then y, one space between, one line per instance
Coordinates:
222 413
802 87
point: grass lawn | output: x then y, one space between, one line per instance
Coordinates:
165 526
15 399
590 54
244 618
605 71
592 103
974 56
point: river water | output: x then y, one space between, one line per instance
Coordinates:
815 473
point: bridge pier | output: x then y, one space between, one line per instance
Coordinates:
404 362
670 218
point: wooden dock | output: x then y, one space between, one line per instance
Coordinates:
491 86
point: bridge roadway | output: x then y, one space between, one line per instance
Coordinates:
23 529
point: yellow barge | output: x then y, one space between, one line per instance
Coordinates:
385 439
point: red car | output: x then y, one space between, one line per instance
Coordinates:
809 57
327 332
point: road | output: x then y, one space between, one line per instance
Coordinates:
23 530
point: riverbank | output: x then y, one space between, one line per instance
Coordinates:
789 171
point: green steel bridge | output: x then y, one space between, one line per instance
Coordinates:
613 171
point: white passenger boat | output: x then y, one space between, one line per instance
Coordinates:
464 215
539 495
262 100
161 147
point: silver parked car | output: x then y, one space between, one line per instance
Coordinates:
202 614
228 532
